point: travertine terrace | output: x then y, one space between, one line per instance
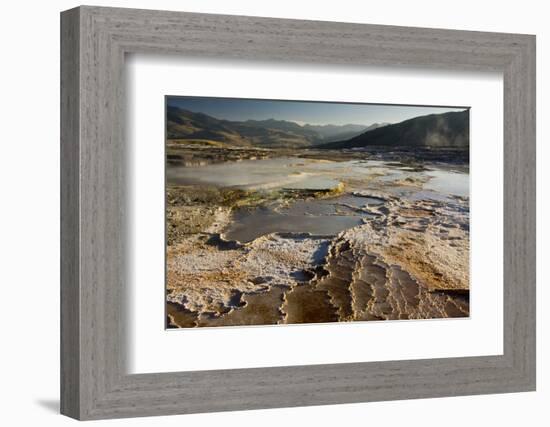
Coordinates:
315 237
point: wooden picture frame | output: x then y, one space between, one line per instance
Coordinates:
94 382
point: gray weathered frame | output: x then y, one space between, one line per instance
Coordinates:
94 41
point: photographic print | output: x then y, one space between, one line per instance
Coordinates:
292 212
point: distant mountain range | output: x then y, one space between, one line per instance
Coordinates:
185 124
435 130
342 132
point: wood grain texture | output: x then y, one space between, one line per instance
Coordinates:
70 297
95 383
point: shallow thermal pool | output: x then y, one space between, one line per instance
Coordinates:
319 217
325 217
275 173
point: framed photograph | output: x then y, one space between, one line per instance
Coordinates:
288 212
262 213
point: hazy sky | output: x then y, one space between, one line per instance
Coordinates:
303 112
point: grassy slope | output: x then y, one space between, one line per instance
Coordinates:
434 130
